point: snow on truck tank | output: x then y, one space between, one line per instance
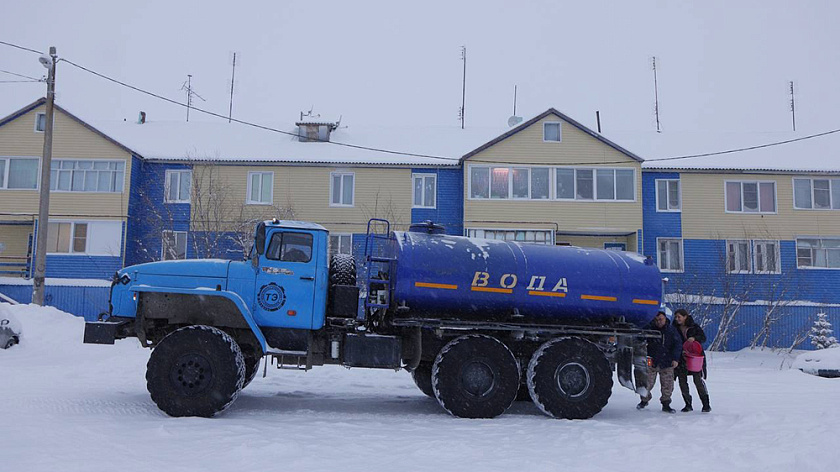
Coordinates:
464 278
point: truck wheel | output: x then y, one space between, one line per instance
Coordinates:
475 376
422 376
342 269
252 366
195 371
569 378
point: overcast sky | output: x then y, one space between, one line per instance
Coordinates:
723 65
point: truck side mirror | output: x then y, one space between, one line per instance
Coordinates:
259 238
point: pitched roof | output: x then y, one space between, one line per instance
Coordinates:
551 111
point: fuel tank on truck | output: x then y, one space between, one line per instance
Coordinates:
478 279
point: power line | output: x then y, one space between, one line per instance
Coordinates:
21 47
409 154
18 81
21 75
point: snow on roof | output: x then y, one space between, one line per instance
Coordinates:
221 141
811 155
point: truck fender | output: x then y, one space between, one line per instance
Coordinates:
206 292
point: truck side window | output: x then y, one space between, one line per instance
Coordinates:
290 247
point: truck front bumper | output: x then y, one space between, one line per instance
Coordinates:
106 332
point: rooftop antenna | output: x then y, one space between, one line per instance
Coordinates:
514 120
463 86
232 79
656 97
187 87
598 119
792 105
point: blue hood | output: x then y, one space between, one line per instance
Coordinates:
216 268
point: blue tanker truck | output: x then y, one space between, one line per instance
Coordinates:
478 323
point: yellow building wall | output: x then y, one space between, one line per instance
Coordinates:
577 148
303 193
704 213
71 140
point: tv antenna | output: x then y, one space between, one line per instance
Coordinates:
463 86
187 87
232 82
656 96
792 105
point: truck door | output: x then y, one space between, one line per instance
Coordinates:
285 288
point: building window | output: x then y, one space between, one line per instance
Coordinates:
750 197
178 184
823 253
260 188
341 243
540 183
816 194
101 238
424 190
668 196
767 257
479 182
738 257
670 252
551 132
174 245
40 122
342 188
87 176
18 173
534 183
518 235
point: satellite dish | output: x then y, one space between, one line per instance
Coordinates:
514 120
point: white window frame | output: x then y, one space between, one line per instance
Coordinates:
811 267
832 205
778 255
548 242
37 119
667 183
248 200
414 176
758 189
7 170
552 184
559 131
682 255
163 245
341 189
339 235
168 182
109 161
738 269
71 251
88 238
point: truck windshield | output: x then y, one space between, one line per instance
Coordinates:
290 247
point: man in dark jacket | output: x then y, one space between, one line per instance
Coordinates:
664 353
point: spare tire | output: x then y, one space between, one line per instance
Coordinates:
342 269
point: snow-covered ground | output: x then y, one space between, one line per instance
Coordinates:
67 406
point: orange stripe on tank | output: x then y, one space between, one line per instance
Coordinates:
492 289
645 302
432 285
546 294
598 298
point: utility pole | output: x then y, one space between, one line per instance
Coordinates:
189 95
44 204
792 105
463 85
656 97
232 77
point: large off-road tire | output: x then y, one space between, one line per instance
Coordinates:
195 371
475 376
342 269
569 378
422 376
252 366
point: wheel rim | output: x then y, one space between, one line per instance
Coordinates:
191 374
477 379
572 379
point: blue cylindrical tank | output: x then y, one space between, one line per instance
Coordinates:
477 279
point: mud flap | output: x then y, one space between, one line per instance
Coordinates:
624 367
640 367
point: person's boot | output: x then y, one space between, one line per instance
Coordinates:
642 404
706 407
666 407
687 407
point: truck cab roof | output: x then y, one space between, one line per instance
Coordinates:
292 224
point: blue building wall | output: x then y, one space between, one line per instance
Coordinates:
149 214
657 224
80 266
87 302
449 207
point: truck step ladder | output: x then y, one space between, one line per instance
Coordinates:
379 261
287 360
